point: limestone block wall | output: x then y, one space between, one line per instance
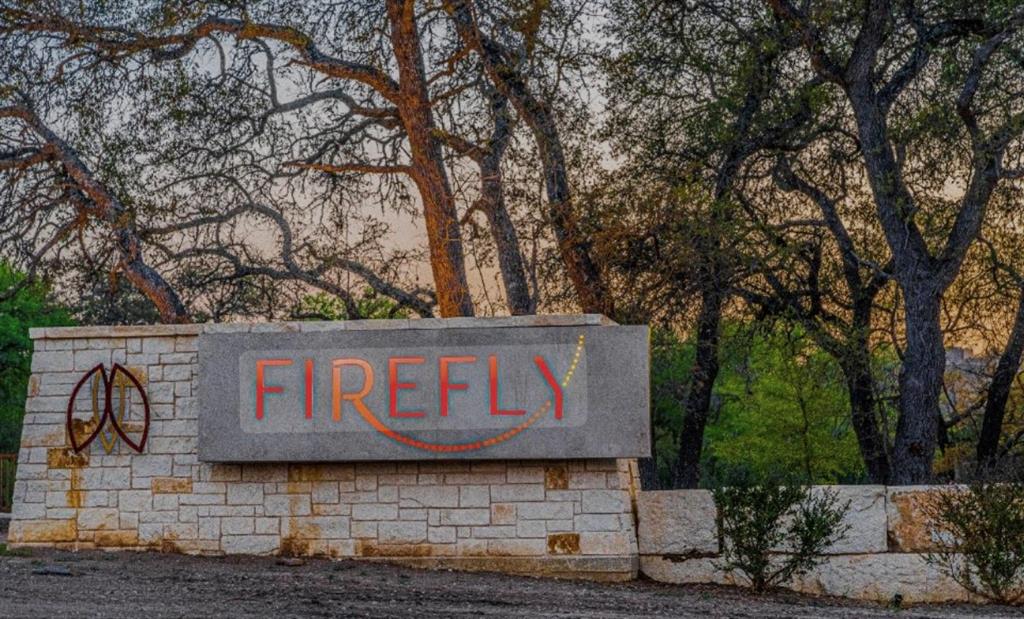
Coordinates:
572 518
882 555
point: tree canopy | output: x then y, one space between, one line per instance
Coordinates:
841 179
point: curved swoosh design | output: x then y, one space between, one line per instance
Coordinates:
394 435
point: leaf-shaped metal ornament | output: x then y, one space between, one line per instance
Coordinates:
100 410
121 379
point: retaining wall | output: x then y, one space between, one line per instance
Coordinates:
571 518
881 556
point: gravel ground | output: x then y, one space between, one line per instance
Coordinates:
128 584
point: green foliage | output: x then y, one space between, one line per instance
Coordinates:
14 552
322 306
981 537
29 307
772 532
784 406
780 404
670 365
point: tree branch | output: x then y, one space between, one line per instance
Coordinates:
92 196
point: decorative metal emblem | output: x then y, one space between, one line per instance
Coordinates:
121 380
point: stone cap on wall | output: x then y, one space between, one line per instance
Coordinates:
551 320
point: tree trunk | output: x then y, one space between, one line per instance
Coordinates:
713 277
702 382
860 384
503 231
149 281
999 391
854 358
924 363
856 365
510 257
443 234
573 247
648 468
924 360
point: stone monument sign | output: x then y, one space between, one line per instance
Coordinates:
501 444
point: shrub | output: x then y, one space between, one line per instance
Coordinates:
980 531
772 532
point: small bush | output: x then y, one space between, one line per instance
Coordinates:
14 552
980 533
771 532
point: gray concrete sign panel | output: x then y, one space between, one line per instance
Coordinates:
347 394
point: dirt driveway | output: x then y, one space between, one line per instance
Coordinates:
98 584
